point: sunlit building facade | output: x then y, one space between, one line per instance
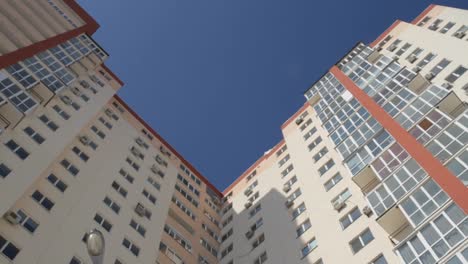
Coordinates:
371 169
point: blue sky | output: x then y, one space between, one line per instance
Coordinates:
217 78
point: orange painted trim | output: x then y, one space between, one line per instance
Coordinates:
23 53
167 145
91 25
385 33
423 14
253 167
434 168
111 73
298 113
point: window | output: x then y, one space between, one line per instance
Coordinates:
210 232
8 249
42 200
314 143
227 235
149 196
456 74
227 250
447 27
105 122
281 150
295 195
306 124
188 185
154 183
394 45
18 97
184 208
309 246
320 154
330 163
428 58
21 75
379 260
83 156
64 115
298 210
103 222
461 32
112 205
435 25
98 132
178 238
350 218
209 247
17 149
138 227
440 66
259 240
310 133
170 253
132 163
49 123
284 160
60 185
250 177
424 21
254 197
131 246
343 196
286 171
4 170
126 175
116 186
261 259
402 50
361 241
27 222
186 195
255 211
228 220
291 181
211 218
137 153
34 135
303 227
332 182
70 167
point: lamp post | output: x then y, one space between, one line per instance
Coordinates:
96 246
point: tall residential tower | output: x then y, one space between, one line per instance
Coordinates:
372 168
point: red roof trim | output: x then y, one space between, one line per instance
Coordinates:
111 73
166 144
90 24
253 167
385 33
434 168
423 14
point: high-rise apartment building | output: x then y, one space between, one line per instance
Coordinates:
372 169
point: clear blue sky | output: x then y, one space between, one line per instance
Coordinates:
217 78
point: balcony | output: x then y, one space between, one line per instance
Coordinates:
395 224
366 179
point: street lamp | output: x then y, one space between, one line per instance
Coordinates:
95 245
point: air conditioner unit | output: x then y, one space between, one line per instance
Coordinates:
392 47
155 169
66 99
84 84
12 217
248 192
286 188
447 85
379 49
249 234
164 151
339 204
460 34
299 121
135 152
140 209
433 27
412 58
85 140
417 69
76 91
396 58
248 204
289 203
140 141
429 76
367 211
